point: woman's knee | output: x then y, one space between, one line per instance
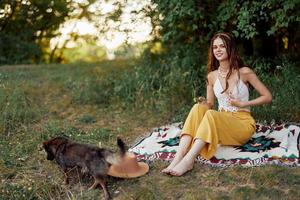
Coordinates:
211 113
199 107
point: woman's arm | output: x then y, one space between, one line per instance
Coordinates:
265 95
210 96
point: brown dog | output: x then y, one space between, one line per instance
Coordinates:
96 161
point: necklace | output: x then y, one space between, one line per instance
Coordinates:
223 74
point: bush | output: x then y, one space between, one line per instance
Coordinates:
284 83
155 85
152 84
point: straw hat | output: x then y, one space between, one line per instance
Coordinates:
128 168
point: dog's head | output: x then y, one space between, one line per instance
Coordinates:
51 146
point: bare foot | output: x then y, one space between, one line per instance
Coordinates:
184 166
174 162
169 168
166 170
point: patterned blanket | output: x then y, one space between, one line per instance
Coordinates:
271 144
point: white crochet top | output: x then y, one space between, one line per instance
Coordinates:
240 91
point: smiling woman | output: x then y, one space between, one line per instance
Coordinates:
232 124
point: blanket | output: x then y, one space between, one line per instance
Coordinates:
271 144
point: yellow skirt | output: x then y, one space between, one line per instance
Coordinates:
214 127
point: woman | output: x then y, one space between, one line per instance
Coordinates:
228 80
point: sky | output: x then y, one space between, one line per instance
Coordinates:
138 27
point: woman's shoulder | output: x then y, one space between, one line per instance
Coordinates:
247 74
245 70
212 73
211 76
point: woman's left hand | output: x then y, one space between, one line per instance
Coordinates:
236 103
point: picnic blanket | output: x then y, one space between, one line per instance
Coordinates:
271 144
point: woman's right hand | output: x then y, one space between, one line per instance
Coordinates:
202 101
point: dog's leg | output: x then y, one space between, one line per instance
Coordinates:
79 173
83 172
96 183
66 176
104 187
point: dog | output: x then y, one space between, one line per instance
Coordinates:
94 160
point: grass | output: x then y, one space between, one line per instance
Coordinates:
39 102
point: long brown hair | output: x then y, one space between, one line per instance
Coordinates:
235 62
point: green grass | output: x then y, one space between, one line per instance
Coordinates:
39 102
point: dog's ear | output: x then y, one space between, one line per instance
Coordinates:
50 154
50 146
56 141
45 143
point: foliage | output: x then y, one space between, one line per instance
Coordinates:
190 22
183 28
262 28
175 90
174 73
282 81
84 52
25 25
249 16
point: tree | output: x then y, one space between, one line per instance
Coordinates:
24 26
262 24
269 25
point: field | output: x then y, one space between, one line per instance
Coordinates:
41 101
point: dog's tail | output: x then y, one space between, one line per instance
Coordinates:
122 146
115 158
